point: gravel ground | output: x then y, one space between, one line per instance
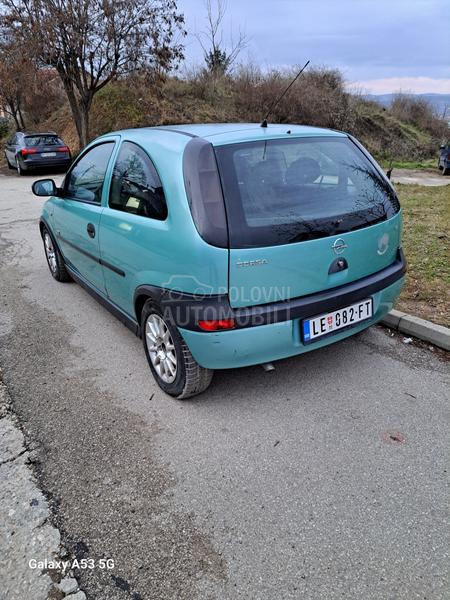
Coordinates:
327 478
430 177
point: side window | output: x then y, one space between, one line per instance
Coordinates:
135 185
85 181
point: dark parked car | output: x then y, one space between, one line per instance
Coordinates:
26 151
444 159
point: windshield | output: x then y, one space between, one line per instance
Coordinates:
43 140
286 191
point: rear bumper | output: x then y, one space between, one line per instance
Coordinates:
274 341
186 310
42 163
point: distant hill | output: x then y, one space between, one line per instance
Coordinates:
439 102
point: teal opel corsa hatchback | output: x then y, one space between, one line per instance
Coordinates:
227 245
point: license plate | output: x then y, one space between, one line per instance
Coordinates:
333 321
47 154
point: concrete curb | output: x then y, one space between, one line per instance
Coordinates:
419 328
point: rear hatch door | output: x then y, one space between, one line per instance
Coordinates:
304 215
271 274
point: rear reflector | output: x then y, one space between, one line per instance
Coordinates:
217 325
26 151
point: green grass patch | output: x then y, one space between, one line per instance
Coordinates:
430 163
426 242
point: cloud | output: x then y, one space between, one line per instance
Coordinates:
367 39
413 85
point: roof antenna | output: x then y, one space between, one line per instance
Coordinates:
269 112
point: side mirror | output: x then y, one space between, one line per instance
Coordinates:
44 187
442 147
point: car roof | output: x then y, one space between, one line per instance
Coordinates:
225 133
32 133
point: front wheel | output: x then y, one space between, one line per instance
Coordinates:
176 371
54 258
445 171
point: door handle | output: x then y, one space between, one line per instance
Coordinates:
91 230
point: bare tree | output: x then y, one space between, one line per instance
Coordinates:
91 42
44 94
16 73
219 56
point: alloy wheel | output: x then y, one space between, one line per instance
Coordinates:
161 348
50 253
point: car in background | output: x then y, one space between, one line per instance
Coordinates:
444 159
27 151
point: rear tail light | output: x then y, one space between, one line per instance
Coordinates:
63 149
217 325
26 151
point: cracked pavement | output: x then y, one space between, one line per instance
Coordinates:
25 529
327 478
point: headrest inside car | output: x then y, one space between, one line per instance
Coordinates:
303 170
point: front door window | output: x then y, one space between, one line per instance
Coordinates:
85 180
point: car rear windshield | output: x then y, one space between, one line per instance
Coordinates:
286 191
43 140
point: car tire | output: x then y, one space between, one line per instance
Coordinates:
445 171
54 258
174 368
10 166
20 169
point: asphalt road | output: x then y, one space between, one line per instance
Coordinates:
326 478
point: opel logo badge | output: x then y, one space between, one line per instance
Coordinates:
339 246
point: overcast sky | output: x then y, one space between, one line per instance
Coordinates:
381 45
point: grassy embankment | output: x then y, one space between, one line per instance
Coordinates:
426 242
124 104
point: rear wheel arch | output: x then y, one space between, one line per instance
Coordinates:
144 293
139 305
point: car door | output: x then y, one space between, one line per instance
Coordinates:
134 228
77 213
10 150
